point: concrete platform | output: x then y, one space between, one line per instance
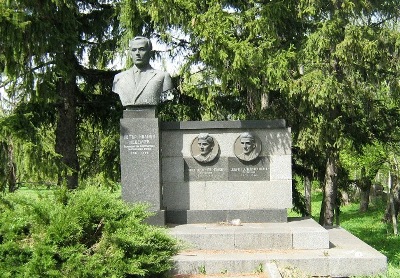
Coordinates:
346 256
295 234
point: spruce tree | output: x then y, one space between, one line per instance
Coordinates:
331 68
55 61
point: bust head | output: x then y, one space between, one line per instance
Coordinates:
140 48
205 143
248 142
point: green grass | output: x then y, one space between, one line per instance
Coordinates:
36 192
369 227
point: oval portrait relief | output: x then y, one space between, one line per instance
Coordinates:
204 148
247 146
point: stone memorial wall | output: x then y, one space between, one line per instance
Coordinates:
218 171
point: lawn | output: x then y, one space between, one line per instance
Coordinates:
369 227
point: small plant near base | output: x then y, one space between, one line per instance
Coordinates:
260 268
292 272
202 269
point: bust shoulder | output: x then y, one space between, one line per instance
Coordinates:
124 73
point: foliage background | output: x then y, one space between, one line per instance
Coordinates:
330 68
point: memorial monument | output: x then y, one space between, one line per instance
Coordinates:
223 185
217 171
140 89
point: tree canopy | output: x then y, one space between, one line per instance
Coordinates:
330 68
55 63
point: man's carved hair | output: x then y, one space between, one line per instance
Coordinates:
248 135
140 38
207 137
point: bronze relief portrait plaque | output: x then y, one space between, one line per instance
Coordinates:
247 146
204 148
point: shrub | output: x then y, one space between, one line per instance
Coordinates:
84 233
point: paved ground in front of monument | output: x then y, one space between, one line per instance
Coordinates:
263 275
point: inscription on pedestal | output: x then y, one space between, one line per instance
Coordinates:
255 170
140 164
139 144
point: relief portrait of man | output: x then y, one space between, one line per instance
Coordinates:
247 147
204 148
141 85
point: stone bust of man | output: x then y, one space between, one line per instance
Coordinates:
141 85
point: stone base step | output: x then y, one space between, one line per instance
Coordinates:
298 233
215 216
347 256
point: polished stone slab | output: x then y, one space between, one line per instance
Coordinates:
257 170
140 112
140 164
140 167
213 171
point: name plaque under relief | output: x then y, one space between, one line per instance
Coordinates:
212 171
256 170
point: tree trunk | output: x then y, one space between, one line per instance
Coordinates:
11 169
364 197
365 189
264 101
394 216
66 139
344 197
307 193
329 204
337 214
393 205
253 101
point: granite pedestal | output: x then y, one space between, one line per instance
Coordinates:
201 201
140 160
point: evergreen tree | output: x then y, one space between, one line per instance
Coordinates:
329 67
55 61
240 48
348 87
